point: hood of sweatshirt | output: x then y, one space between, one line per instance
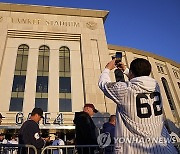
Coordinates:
146 83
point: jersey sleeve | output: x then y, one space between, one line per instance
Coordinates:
113 90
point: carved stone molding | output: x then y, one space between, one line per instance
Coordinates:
91 25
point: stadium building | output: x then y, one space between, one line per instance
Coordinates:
52 57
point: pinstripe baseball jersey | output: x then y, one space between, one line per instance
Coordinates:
139 118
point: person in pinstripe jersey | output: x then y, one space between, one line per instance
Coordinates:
140 122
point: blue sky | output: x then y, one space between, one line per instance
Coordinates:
150 25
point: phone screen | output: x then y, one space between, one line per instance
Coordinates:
118 56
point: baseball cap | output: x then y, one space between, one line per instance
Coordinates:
38 111
1 116
91 106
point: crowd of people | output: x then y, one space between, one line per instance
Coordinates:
86 132
138 115
14 139
29 134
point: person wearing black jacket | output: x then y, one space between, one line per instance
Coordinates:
86 132
30 133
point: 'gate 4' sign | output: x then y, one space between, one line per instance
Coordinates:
46 118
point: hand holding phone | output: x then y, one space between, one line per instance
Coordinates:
118 57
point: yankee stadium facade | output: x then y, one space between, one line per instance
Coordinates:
52 57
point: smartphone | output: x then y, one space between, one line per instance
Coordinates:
118 57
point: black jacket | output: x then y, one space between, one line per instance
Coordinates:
86 132
30 134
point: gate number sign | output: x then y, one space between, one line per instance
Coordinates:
58 120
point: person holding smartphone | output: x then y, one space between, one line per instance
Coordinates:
119 75
139 113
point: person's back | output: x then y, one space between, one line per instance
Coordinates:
109 127
29 134
140 116
85 129
86 132
139 123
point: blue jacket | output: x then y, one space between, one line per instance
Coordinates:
108 127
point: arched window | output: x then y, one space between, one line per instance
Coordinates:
168 93
179 85
65 104
22 57
64 60
42 78
19 80
176 74
43 60
162 70
158 67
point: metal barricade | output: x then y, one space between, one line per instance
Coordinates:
83 149
16 149
77 149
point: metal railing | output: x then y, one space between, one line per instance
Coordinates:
62 149
17 148
84 149
77 149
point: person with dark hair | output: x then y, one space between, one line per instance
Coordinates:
29 132
139 114
140 67
86 132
